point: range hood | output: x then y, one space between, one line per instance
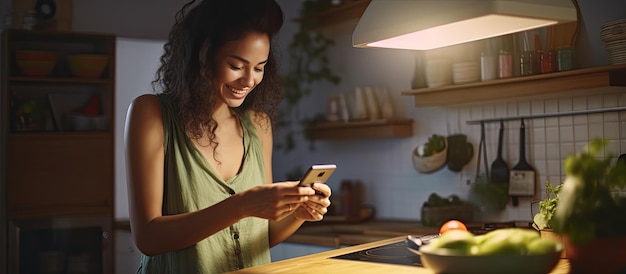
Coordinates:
430 24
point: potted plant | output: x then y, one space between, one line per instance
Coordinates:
591 211
547 208
308 64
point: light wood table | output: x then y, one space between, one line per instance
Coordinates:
321 263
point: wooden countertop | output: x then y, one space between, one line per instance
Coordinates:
323 263
345 234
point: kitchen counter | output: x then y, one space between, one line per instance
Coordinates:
323 263
345 234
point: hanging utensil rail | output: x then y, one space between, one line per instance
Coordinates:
546 115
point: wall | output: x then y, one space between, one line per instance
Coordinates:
385 167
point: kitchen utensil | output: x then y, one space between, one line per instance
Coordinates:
522 177
482 153
413 243
499 167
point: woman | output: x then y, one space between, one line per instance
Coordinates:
199 152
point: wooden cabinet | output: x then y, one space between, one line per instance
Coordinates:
57 128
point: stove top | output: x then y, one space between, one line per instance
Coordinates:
398 253
394 253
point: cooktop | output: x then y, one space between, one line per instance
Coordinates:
398 253
394 253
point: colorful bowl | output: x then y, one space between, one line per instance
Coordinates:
35 62
36 55
36 68
88 65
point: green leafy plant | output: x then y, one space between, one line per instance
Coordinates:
436 143
308 63
590 205
547 207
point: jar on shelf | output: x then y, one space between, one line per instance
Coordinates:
505 67
29 21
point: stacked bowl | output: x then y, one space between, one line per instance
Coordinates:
614 36
465 72
35 62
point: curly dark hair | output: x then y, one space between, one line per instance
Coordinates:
187 64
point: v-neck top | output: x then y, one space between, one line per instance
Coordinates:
191 184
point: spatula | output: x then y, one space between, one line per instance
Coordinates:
522 179
499 167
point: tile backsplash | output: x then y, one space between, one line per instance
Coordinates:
398 191
548 140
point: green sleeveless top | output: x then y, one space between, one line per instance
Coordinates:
191 184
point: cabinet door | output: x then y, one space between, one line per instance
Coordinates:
57 174
61 245
57 125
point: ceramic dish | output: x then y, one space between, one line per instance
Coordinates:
542 263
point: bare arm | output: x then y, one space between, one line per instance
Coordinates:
154 233
315 206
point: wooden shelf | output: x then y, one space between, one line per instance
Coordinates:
348 10
68 80
381 128
541 86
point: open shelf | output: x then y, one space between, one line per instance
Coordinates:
380 128
542 85
348 10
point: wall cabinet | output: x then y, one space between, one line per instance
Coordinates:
57 127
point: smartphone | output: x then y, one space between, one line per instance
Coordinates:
317 174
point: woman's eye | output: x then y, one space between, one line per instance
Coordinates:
235 67
258 69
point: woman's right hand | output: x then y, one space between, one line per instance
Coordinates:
274 201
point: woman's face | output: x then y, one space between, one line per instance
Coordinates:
240 67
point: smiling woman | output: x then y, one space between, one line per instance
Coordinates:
199 152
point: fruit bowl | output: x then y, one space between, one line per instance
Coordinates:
87 65
535 263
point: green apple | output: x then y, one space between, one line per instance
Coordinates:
506 241
542 246
453 242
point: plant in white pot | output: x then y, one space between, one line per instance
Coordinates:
591 211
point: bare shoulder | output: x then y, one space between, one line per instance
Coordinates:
144 113
145 101
261 122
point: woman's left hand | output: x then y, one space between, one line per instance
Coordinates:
317 205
